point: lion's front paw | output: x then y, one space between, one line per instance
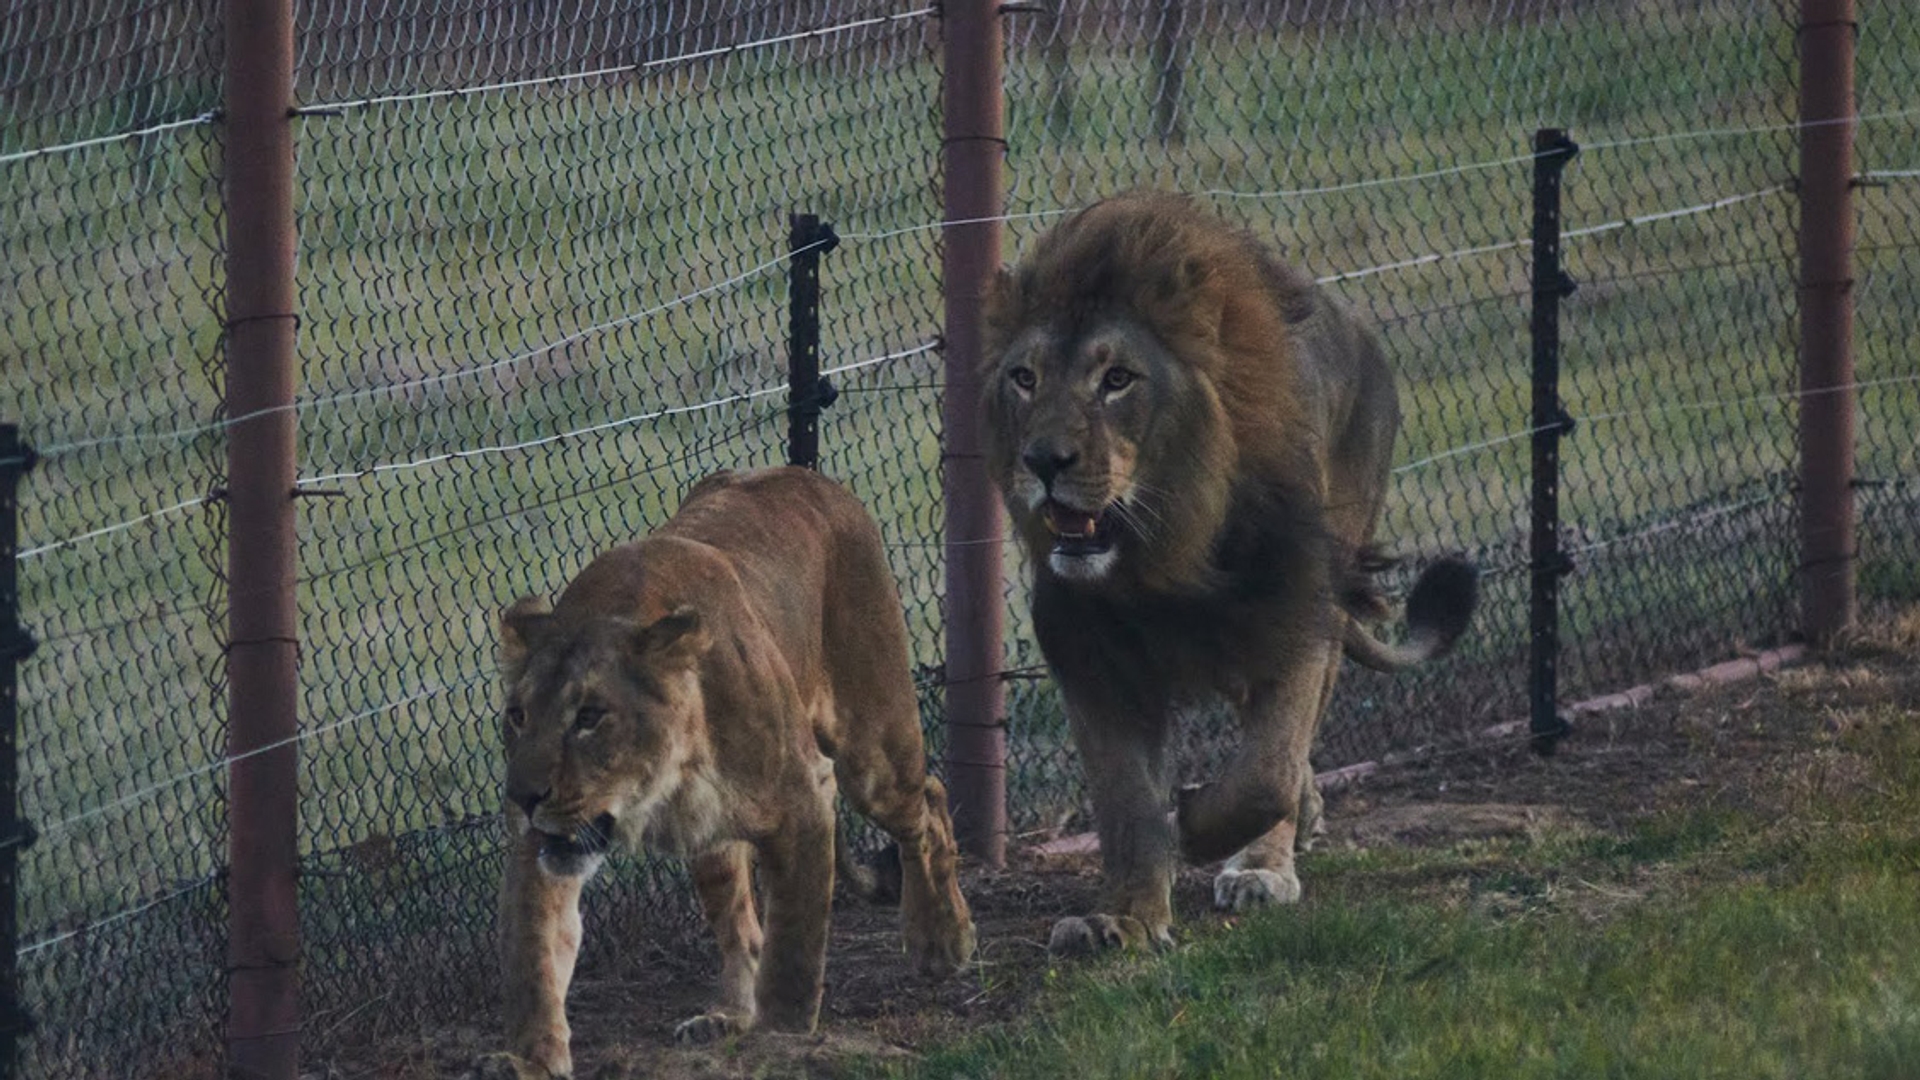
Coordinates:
1245 890
708 1027
1076 936
505 1066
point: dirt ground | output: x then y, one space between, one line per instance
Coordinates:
1680 752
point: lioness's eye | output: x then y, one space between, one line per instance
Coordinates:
1116 378
515 719
588 717
1022 377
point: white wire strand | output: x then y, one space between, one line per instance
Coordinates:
83 144
142 794
57 449
109 530
430 380
1571 234
482 451
25 951
1692 520
608 425
619 69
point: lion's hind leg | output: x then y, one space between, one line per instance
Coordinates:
723 878
1263 873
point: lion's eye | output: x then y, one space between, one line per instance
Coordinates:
516 719
588 717
1022 377
1116 379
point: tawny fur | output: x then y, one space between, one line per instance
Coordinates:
1237 465
705 692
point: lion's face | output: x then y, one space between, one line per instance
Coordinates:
1098 436
602 716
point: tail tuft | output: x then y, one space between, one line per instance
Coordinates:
1443 600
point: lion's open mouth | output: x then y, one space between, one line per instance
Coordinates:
1076 532
590 839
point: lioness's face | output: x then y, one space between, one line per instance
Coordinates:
1075 416
601 714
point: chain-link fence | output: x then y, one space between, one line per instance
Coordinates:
542 259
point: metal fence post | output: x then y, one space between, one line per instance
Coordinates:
974 142
1552 150
16 644
263 1023
807 392
1827 394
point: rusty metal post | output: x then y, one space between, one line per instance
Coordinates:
1827 392
263 1023
973 146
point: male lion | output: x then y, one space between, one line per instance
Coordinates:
1193 442
699 693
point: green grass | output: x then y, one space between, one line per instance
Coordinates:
1713 943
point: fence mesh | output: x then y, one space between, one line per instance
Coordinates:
109 315
542 289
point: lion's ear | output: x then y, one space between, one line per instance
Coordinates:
1192 287
677 640
519 626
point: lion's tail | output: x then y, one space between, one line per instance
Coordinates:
1438 611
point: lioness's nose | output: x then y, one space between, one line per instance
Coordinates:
1047 462
528 799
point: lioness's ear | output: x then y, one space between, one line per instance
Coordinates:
677 640
519 626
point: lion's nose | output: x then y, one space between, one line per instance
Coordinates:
1047 462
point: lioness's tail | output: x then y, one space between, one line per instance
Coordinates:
1438 611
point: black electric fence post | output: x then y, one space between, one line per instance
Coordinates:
16 458
1552 150
807 392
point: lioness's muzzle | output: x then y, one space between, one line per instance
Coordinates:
591 838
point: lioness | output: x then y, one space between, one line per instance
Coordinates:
1193 443
699 693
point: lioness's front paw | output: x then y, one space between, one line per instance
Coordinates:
709 1027
505 1066
1245 890
1075 936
